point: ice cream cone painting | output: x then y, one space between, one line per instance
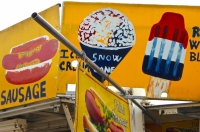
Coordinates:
106 36
165 51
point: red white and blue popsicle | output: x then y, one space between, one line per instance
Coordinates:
166 48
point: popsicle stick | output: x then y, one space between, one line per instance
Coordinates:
157 86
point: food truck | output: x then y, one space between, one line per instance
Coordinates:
99 67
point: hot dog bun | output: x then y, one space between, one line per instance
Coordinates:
99 113
30 61
28 75
95 94
29 45
114 127
88 124
36 55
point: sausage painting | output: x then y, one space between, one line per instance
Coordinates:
30 61
101 118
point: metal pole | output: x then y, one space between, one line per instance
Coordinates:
82 55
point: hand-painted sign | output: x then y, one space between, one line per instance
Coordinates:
98 108
109 35
166 48
154 47
29 62
29 57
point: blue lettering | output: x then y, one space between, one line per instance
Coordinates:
14 99
20 93
35 94
32 92
192 56
61 66
195 56
42 89
195 31
28 93
3 97
64 53
194 44
9 97
71 55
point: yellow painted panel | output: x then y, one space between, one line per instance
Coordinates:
29 66
98 108
155 47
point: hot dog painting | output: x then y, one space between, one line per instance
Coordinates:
99 109
30 61
101 118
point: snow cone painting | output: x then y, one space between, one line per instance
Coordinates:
106 36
